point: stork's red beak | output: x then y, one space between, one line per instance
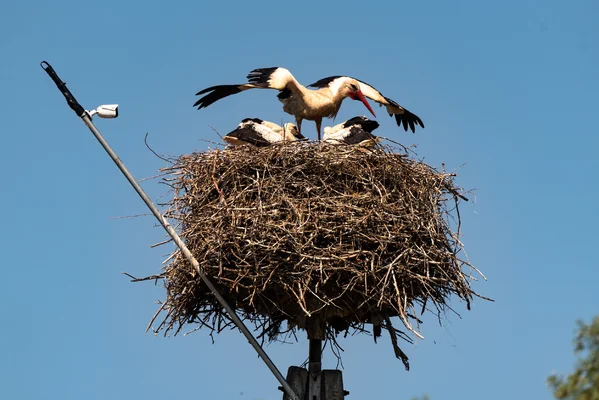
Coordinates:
359 95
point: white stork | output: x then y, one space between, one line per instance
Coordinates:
355 131
260 133
322 102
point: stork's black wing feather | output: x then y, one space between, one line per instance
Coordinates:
216 93
284 94
406 118
324 82
260 76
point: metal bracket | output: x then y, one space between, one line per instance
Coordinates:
327 385
315 383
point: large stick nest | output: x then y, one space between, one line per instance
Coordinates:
312 232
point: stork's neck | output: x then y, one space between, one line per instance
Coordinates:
339 96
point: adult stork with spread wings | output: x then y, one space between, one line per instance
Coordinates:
315 104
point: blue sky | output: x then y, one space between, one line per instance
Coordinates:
508 93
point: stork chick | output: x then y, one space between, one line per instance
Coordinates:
260 133
355 131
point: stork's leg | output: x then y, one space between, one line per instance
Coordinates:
298 123
318 123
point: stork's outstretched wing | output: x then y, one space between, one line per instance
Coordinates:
215 93
402 115
261 78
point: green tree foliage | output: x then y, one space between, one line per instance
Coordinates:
583 383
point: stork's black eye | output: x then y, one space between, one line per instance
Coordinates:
354 87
